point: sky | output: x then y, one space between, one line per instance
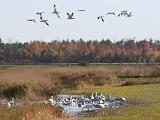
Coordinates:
14 27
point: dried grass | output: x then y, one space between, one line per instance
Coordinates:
45 81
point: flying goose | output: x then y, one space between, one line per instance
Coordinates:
70 16
44 21
32 20
81 10
110 13
101 17
124 13
130 14
55 11
40 14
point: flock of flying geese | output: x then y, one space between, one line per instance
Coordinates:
122 13
70 15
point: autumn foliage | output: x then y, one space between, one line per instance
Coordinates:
105 51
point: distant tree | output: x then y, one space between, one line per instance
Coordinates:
80 51
83 63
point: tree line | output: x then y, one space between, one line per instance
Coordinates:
71 51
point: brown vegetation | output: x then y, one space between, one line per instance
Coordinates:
36 52
33 112
37 82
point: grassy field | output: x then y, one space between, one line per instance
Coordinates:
143 111
149 92
135 82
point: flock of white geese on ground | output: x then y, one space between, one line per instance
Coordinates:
72 101
76 104
70 16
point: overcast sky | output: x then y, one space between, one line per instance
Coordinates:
14 27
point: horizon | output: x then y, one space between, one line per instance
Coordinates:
76 40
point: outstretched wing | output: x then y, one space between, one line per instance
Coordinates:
119 15
72 14
102 19
46 23
33 20
68 14
58 16
41 18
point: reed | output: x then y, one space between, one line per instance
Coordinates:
43 81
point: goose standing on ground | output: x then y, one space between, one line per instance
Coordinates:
55 11
110 97
101 104
122 99
103 97
101 17
92 97
44 21
52 101
40 14
110 13
11 102
70 16
82 97
32 20
96 97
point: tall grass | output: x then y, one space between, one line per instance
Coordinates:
45 81
33 112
